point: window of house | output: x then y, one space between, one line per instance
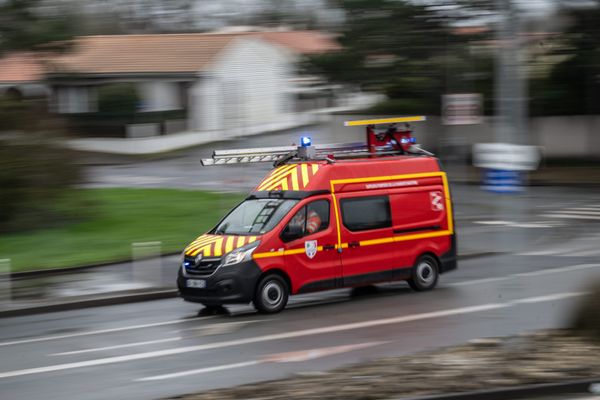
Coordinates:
365 213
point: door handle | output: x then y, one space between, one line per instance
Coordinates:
328 247
353 244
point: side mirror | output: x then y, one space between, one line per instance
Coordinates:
292 232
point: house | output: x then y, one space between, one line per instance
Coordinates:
217 82
21 76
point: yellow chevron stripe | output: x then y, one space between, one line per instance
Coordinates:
304 169
201 249
195 246
315 168
295 180
273 176
252 239
201 240
229 244
282 178
240 241
218 248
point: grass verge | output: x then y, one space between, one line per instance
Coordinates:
118 217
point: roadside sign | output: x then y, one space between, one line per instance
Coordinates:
462 109
504 165
506 156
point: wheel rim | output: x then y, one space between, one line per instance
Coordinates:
425 273
272 294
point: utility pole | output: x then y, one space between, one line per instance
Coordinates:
511 77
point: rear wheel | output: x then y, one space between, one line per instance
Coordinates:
425 273
271 294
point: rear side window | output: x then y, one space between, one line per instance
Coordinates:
364 213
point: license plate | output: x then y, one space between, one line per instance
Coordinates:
196 283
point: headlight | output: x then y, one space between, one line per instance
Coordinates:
241 254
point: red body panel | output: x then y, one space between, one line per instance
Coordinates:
421 222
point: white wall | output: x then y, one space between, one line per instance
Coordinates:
159 95
247 86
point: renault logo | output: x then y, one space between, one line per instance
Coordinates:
198 259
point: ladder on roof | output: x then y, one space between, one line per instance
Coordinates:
332 151
275 154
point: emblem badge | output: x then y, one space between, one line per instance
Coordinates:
436 201
198 259
310 247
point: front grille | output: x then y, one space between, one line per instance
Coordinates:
206 266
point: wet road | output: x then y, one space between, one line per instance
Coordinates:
162 348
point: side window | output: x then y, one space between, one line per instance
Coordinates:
317 216
364 213
312 218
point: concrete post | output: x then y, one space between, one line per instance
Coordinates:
5 282
146 264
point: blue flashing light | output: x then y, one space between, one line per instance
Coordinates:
305 141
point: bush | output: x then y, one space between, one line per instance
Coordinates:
587 315
35 177
119 98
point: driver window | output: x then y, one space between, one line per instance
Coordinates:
312 218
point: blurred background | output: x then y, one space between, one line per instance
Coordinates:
107 107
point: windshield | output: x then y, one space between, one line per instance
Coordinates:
254 217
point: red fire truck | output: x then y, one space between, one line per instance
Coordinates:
327 216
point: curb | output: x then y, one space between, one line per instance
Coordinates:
67 270
77 304
89 303
585 386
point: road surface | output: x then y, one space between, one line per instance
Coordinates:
162 348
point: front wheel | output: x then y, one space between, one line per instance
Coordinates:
424 274
271 294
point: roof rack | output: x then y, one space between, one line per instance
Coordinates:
392 141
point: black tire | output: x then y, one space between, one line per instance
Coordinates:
271 294
425 274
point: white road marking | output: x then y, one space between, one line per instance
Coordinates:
478 281
101 331
555 270
510 224
222 328
119 346
571 216
295 356
549 297
564 249
582 212
276 336
200 371
587 253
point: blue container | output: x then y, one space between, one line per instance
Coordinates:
502 181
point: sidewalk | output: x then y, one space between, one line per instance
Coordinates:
48 291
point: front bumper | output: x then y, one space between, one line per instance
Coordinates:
227 285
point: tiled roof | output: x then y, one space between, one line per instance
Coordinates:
20 67
170 53
116 54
